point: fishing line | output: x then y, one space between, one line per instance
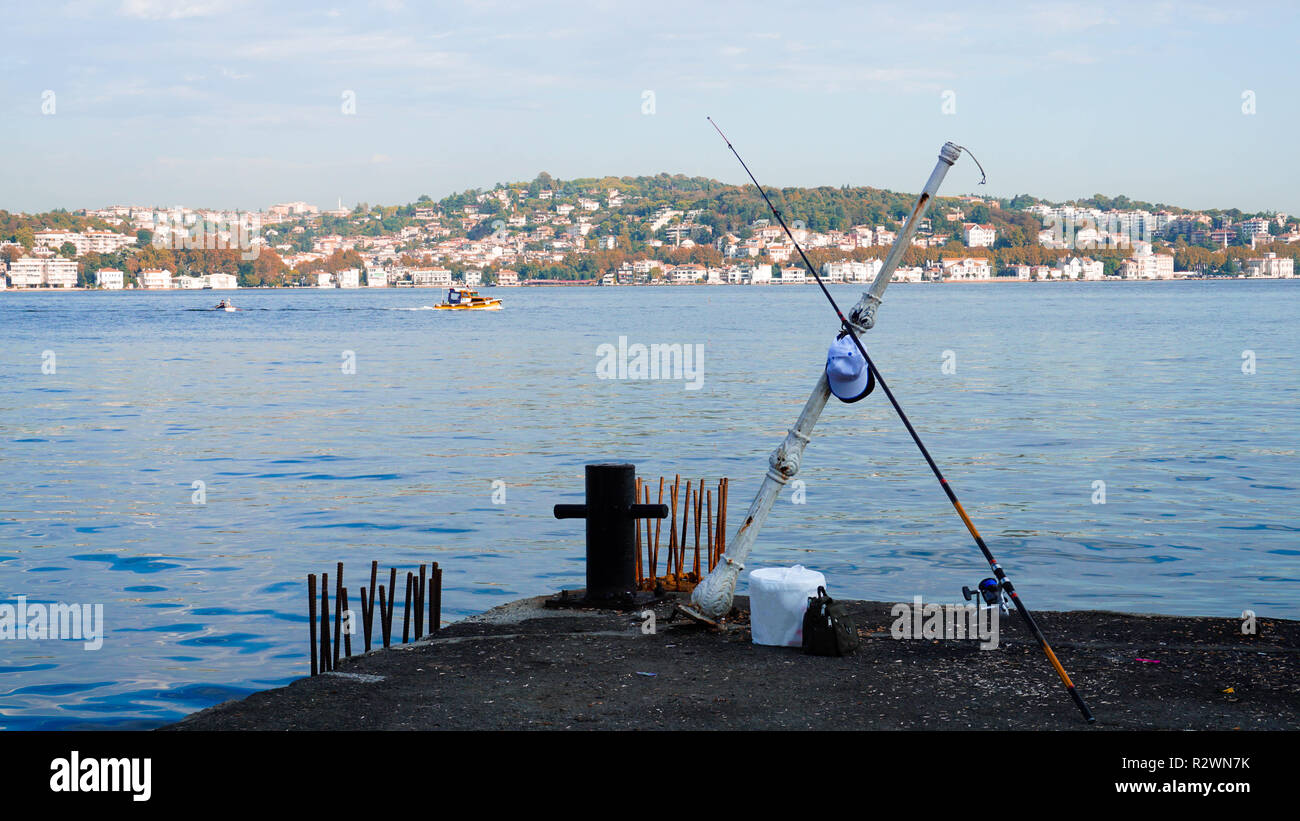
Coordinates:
847 328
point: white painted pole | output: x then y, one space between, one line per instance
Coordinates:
713 596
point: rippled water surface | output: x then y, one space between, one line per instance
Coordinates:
1057 387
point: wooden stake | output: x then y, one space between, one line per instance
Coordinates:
670 569
435 601
636 497
383 617
721 540
392 600
654 564
648 541
347 633
325 623
406 609
699 507
311 619
338 614
419 605
681 543
709 526
370 604
366 606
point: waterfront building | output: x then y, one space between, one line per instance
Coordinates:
431 277
966 268
1147 265
155 279
1080 268
1270 265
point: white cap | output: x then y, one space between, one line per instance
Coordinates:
847 372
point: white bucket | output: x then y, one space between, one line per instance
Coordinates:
778 597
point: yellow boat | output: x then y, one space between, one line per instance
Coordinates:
463 299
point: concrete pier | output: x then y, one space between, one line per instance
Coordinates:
522 666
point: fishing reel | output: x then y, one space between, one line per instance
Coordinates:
990 590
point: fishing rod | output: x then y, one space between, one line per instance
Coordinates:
847 329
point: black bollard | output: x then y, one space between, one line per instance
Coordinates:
611 512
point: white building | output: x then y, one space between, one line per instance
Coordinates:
37 272
510 279
188 283
106 242
758 275
1270 265
376 278
54 240
687 274
348 278
967 268
99 242
793 275
473 278
1080 268
978 236
1148 266
60 273
431 277
109 279
155 278
27 272
851 271
221 282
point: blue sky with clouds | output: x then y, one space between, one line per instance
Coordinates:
227 103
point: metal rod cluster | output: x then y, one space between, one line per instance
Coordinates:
422 611
703 516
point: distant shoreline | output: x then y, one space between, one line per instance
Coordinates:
592 284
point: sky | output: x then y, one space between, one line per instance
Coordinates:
238 104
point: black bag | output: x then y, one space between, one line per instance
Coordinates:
827 628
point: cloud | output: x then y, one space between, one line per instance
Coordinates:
175 9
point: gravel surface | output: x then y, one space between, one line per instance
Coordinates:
521 666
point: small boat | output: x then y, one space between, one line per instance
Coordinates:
463 299
224 305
